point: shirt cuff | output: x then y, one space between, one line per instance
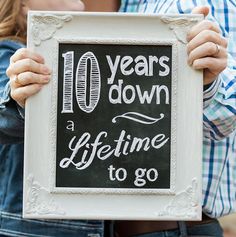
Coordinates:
210 92
7 98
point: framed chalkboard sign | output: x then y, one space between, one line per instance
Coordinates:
117 133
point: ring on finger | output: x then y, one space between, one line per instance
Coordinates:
16 80
217 50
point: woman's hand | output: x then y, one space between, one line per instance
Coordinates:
206 48
27 73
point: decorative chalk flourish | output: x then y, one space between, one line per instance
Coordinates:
137 117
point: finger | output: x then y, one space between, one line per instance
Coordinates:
201 26
27 78
25 65
215 65
22 93
206 50
201 10
206 36
24 53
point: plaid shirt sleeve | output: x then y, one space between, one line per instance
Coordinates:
219 117
129 6
220 108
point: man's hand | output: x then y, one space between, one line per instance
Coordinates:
206 48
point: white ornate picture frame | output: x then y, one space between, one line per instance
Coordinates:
46 195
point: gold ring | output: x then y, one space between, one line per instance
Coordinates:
217 49
16 80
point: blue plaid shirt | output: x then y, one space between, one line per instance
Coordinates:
219 150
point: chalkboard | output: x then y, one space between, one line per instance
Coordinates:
114 116
117 132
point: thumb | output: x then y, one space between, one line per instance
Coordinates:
201 10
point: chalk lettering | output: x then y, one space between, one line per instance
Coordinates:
81 82
70 126
119 94
139 65
124 64
162 61
140 173
124 145
113 67
67 106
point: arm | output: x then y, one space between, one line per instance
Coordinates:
31 74
220 111
208 51
219 117
11 121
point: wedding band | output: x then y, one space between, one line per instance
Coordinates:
16 79
217 49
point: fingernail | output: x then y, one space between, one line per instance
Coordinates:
46 70
46 78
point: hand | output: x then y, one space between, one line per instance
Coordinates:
27 74
206 48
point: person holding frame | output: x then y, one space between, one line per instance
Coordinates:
28 74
